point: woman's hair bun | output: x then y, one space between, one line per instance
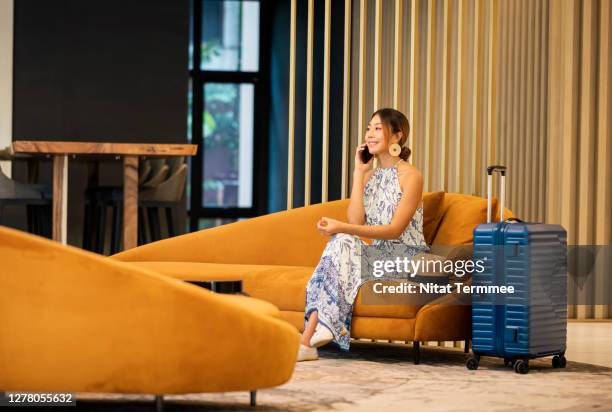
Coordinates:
405 153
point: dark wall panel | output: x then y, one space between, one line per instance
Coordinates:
98 71
113 70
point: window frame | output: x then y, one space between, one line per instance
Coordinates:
260 81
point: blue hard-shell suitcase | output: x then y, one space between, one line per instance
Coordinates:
531 258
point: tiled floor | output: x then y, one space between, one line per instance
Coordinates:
590 342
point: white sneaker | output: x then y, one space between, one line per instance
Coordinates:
322 336
306 353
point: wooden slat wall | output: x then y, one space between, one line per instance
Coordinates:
578 185
525 83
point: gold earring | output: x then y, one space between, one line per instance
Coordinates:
395 149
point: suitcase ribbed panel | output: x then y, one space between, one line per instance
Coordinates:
483 312
533 320
516 310
548 317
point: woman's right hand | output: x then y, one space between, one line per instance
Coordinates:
359 165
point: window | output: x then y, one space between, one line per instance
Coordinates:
227 116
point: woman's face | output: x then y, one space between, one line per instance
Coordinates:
375 136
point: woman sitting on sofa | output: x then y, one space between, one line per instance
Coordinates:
386 206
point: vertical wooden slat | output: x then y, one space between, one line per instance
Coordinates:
346 97
130 202
552 186
544 105
535 139
503 75
586 138
459 146
569 108
570 116
476 169
309 74
326 86
603 229
492 69
60 198
291 121
362 68
509 95
398 56
427 167
554 147
445 96
377 54
529 137
516 147
521 191
414 54
512 146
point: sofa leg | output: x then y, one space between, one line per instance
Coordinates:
253 398
416 346
467 346
159 403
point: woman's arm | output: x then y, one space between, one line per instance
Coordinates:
412 189
355 212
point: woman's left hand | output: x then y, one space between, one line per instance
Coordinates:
327 226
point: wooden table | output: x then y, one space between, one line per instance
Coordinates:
130 153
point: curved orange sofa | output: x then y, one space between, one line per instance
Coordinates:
276 254
74 321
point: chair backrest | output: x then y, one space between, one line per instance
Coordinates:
170 190
157 176
174 163
6 153
10 189
144 170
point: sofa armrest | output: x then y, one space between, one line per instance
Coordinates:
447 318
283 238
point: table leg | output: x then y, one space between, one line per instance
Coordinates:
60 198
130 202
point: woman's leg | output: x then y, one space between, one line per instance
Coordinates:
309 329
335 277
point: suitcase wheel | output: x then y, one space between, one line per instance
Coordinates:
521 366
559 361
472 363
509 362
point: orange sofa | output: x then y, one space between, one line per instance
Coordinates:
275 255
74 321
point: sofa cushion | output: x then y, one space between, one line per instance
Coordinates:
389 305
461 216
287 290
252 304
432 214
283 286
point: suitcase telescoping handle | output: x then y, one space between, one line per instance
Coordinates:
502 173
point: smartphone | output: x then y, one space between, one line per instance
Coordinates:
366 155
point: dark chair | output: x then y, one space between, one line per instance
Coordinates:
35 198
160 191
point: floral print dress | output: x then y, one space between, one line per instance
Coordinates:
333 287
